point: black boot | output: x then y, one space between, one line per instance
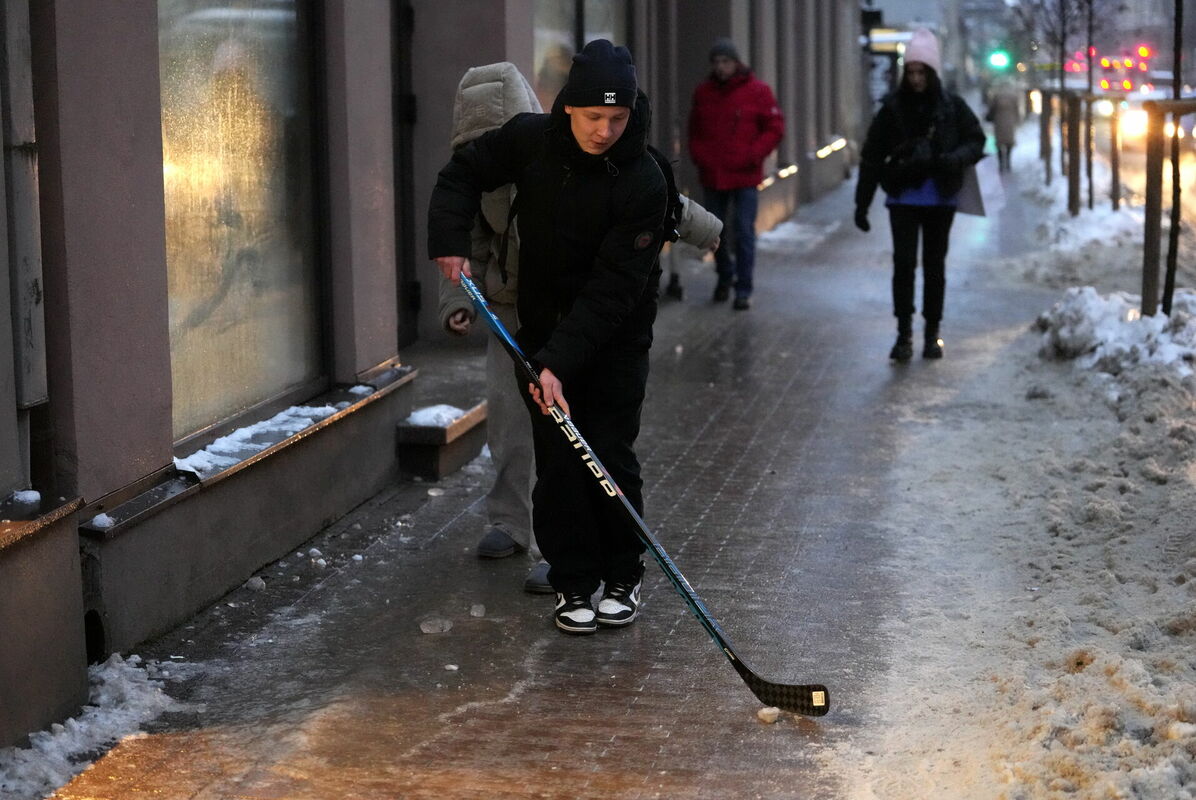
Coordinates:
932 346
903 350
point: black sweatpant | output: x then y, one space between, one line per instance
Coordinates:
583 533
934 222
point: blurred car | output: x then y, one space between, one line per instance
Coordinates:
1133 119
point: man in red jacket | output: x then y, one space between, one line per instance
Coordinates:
734 124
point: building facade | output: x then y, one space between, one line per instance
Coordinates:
214 223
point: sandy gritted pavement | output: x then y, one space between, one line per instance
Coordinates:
988 559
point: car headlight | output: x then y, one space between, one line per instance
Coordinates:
1133 123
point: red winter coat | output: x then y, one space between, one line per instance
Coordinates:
733 126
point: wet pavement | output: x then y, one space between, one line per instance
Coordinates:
767 439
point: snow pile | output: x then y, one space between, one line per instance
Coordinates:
1109 333
1104 703
1099 725
28 497
438 416
122 698
230 450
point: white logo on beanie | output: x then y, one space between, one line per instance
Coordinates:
609 98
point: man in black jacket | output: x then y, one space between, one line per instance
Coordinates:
590 214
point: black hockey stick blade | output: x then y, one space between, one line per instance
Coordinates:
806 699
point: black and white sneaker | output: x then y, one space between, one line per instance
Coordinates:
620 603
574 614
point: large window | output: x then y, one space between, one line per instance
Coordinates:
237 169
562 27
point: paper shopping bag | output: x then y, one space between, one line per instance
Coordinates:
970 199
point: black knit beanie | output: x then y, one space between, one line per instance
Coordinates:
724 47
601 75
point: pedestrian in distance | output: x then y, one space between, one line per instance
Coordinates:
734 124
487 97
1004 112
690 223
917 148
591 206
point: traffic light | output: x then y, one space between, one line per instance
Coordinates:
998 59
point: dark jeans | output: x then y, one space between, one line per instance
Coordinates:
742 230
934 222
582 532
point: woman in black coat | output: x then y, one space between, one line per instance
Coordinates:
917 148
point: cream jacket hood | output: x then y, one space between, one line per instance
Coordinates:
487 97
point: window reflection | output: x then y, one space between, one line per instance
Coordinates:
606 19
237 162
555 23
556 27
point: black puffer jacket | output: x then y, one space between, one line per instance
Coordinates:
915 136
590 231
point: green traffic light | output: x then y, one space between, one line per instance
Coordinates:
999 59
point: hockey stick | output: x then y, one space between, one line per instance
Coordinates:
808 699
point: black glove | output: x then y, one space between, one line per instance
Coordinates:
861 219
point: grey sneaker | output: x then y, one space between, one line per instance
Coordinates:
497 544
536 581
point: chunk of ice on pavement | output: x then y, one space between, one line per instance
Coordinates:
435 625
314 553
29 497
255 584
477 610
768 714
103 521
451 667
435 492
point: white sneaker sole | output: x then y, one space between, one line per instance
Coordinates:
578 628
